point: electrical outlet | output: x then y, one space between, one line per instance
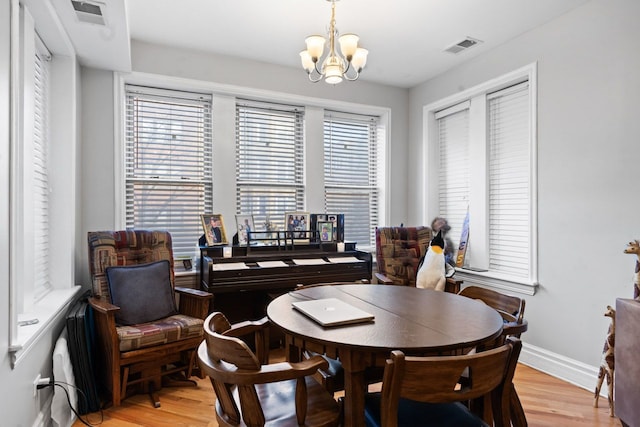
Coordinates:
35 385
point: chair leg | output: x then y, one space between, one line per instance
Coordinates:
152 384
518 418
120 390
153 394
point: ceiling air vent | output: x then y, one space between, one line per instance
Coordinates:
463 45
89 11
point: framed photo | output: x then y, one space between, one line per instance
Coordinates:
337 224
214 231
186 263
326 231
297 226
244 223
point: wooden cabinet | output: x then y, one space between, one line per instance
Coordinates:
627 368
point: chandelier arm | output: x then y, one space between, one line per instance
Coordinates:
315 80
316 71
346 76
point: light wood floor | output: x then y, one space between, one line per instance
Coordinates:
547 401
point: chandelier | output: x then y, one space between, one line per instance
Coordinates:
335 66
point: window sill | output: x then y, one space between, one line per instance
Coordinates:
46 311
492 280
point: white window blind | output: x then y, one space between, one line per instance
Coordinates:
269 160
168 163
40 190
453 170
350 173
509 176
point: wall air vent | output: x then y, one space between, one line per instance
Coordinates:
463 45
90 12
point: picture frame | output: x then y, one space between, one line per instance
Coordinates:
244 225
214 231
186 263
297 226
325 228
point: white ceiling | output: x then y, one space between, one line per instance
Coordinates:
405 38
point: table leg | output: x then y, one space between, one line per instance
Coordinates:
355 388
292 351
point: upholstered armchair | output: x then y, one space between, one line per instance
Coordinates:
142 336
398 252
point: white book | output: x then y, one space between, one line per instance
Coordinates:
344 259
309 261
269 264
224 266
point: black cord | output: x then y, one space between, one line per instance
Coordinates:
80 392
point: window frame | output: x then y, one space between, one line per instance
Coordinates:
194 101
372 188
296 183
224 102
29 20
479 139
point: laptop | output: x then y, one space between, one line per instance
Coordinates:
332 312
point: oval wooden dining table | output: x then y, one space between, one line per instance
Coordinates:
416 321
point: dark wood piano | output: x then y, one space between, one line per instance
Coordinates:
244 283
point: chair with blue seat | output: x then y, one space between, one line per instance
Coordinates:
425 391
511 308
251 392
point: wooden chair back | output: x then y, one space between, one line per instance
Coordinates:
511 308
251 393
229 355
436 380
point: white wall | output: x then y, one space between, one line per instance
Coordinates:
17 406
588 152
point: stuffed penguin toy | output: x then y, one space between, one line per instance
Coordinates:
431 269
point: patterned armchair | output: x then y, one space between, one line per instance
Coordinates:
141 334
398 253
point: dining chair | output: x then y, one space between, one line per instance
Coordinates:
425 391
252 393
511 308
143 338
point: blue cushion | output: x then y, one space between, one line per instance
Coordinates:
412 413
143 292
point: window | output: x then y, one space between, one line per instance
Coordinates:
509 170
482 145
351 173
269 161
40 156
453 167
42 200
168 163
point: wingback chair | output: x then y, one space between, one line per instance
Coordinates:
398 252
142 336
